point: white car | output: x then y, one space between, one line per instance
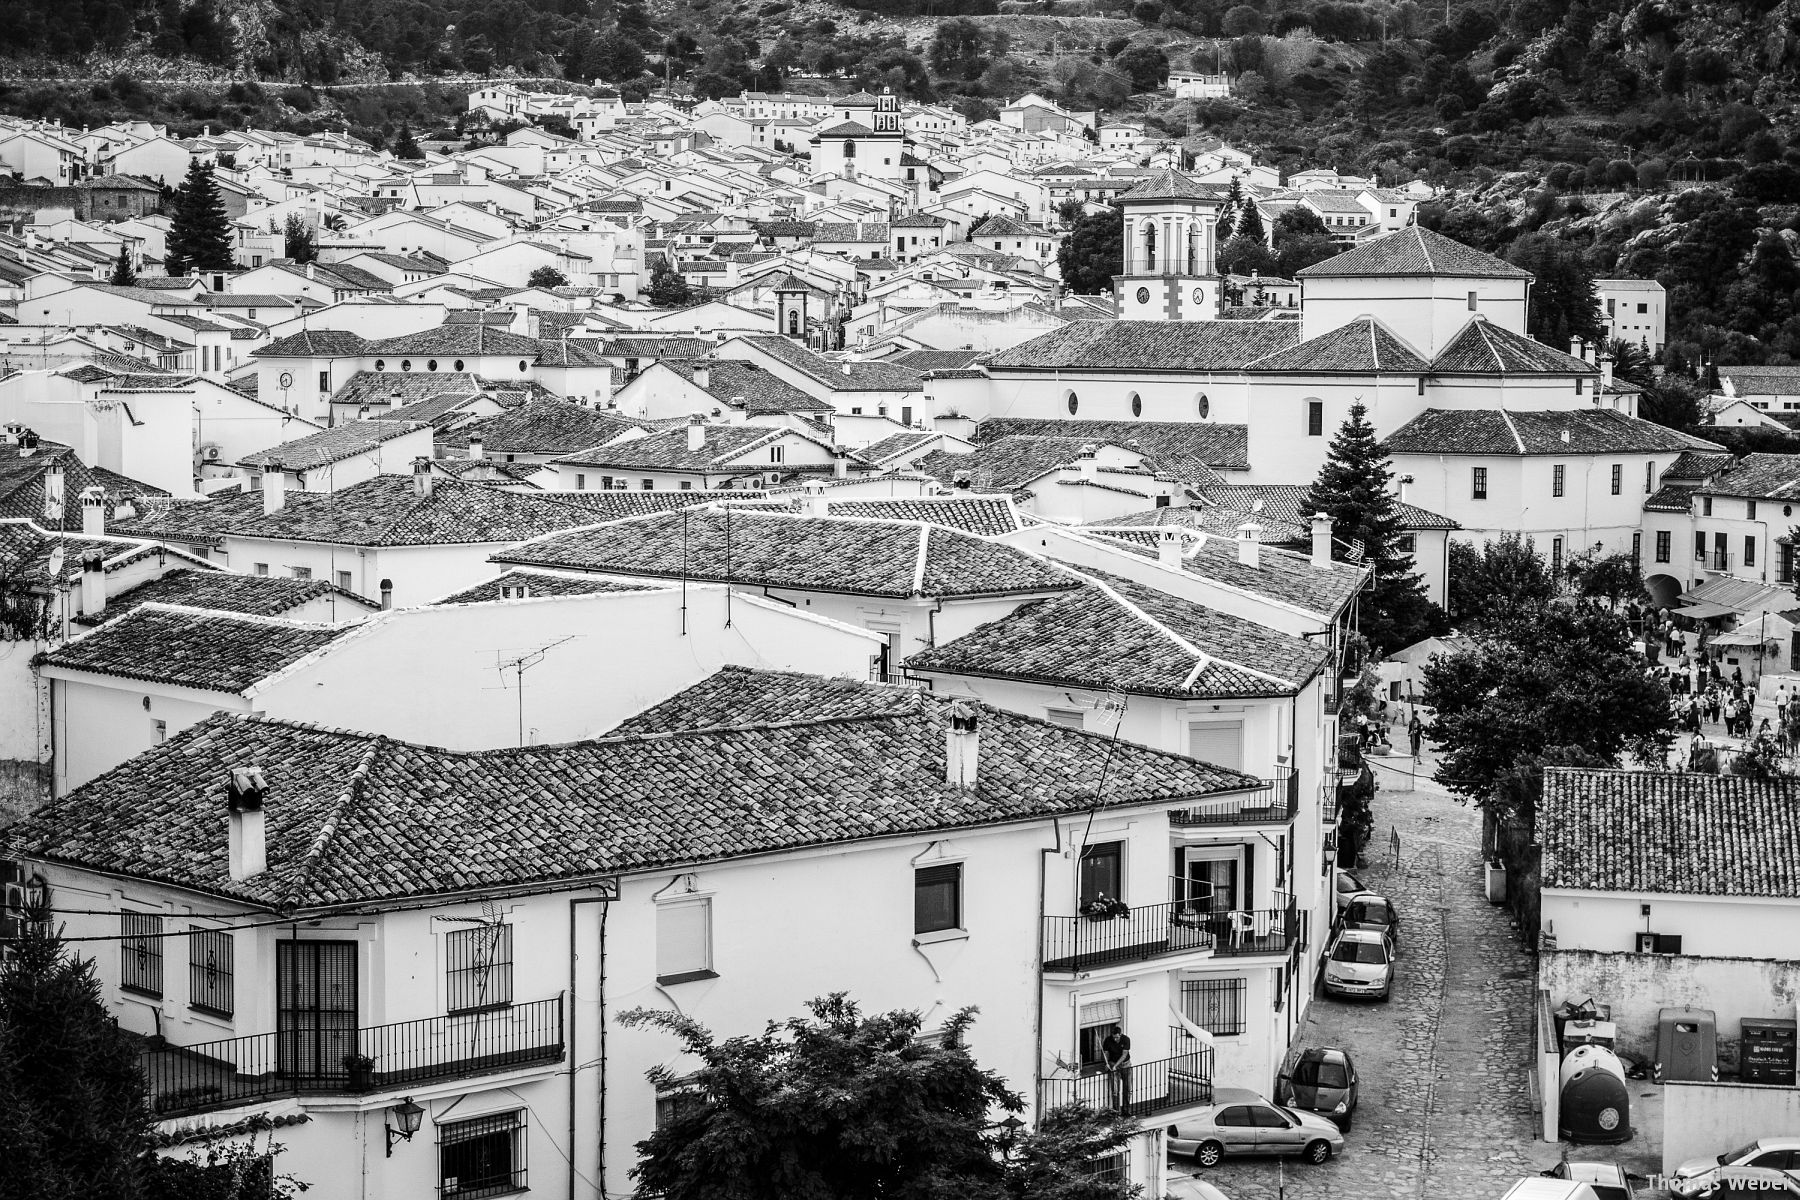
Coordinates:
1360 963
1241 1122
1767 1165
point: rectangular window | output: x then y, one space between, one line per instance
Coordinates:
580 482
482 1157
1098 1018
301 572
1706 506
1662 545
343 580
1649 478
606 482
937 898
649 485
1637 548
1068 718
1643 308
262 568
1315 418
687 485
1750 510
1471 301
1215 1005
1699 545
478 968
1406 543
1556 480
1609 307
1580 386
1618 478
141 965
1556 549
671 1105
684 940
1103 871
324 381
1480 483
1749 550
210 971
775 454
1784 562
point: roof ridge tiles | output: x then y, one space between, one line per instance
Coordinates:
345 804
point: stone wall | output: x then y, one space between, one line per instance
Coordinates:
1638 986
21 205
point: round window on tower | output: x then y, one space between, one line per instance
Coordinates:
457 365
1204 406
1074 403
524 366
1137 405
406 364
381 364
432 365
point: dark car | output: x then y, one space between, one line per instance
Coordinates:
1320 1079
1369 911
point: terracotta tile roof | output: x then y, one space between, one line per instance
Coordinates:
860 377
1671 497
984 516
722 452
1484 348
571 352
1489 431
27 549
659 348
378 389
22 483
468 339
538 583
1189 347
1695 466
1173 185
1415 250
1758 477
330 445
1004 464
743 763
1281 574
542 427
190 647
759 390
1762 381
1215 519
1670 832
619 504
1187 450
1365 345
936 360
1287 502
860 557
227 591
1115 634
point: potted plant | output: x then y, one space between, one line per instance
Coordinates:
1105 908
361 1069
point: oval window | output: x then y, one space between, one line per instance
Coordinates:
1204 405
432 365
1137 405
1074 403
523 366
406 364
458 364
381 364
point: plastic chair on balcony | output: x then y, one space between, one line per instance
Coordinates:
1241 923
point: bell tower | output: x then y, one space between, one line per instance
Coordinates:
1171 250
790 308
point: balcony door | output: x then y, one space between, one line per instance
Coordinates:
315 1008
1218 878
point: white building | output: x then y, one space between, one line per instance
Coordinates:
1636 312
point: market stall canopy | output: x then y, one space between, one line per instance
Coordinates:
1703 610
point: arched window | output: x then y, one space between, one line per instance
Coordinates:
1137 405
1150 247
849 148
793 324
1074 403
1204 406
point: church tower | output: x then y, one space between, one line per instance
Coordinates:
790 308
1171 250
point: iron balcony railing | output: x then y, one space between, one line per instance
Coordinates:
1275 802
247 1070
1160 930
1142 1090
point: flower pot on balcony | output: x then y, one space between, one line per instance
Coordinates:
1496 883
361 1070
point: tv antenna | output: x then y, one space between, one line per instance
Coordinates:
520 662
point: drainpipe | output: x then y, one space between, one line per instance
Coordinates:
574 1037
1037 962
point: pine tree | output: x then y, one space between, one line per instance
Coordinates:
123 273
1231 209
1251 224
405 147
200 234
298 241
1353 490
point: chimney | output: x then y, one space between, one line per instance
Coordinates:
1606 371
840 463
1088 462
962 746
93 512
93 583
309 271
696 432
422 477
846 368
244 804
53 492
1168 548
274 489
387 594
961 482
815 504
703 376
1249 544
476 444
1321 541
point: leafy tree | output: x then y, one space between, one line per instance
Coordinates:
1563 303
405 147
667 288
298 241
1093 253
1146 66
1499 576
1354 489
852 1107
958 49
123 273
199 233
1243 20
1245 256
547 277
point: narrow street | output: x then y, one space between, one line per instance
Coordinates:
1445 1109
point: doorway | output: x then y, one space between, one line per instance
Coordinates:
315 1008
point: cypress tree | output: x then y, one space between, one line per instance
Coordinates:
123 273
1353 490
406 146
1251 226
200 233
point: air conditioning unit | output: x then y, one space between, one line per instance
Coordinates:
210 452
1658 943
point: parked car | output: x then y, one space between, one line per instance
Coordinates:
1549 1189
1765 1165
1241 1122
1369 911
1608 1180
1348 885
1320 1079
1360 962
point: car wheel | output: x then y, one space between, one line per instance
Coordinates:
1211 1154
1343 1123
1318 1152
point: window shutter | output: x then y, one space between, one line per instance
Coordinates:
1103 1012
683 937
1220 743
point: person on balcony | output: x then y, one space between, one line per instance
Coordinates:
1115 1056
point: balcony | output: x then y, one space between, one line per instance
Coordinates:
1154 931
265 1066
1274 803
1143 1090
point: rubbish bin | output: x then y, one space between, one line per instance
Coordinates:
1767 1052
1595 1106
1586 1033
1687 1045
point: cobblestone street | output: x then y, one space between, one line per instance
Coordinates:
1445 1110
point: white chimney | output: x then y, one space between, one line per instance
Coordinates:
477 445
962 746
274 489
696 432
309 271
93 583
1088 461
1249 544
703 376
846 368
53 493
1606 371
387 594
1321 541
840 463
244 806
93 512
422 477
815 504
1168 548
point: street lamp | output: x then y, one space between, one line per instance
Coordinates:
409 1115
1008 1137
